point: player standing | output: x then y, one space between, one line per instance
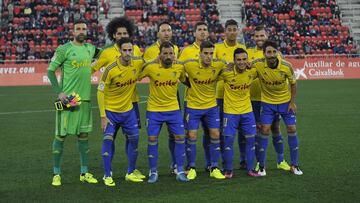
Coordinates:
224 51
260 36
238 113
163 107
276 75
151 53
117 84
117 29
193 52
73 59
164 35
202 107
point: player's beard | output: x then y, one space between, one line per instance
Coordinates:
259 44
126 59
272 62
167 62
80 38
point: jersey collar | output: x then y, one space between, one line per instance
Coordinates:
196 45
279 58
226 45
235 71
116 47
201 66
157 43
118 62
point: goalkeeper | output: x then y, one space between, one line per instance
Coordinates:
73 59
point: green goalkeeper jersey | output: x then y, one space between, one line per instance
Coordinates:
74 62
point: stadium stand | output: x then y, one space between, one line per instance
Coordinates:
301 26
32 29
181 14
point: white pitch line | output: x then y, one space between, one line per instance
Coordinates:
25 112
44 111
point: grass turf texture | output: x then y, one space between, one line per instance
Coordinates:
328 128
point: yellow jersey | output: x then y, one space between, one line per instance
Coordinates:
202 91
225 52
255 89
118 84
237 90
163 86
275 82
190 52
153 51
109 56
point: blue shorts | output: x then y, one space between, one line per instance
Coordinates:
208 116
136 108
256 106
173 120
269 112
220 104
127 121
239 122
185 107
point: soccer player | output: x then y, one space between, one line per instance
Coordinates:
73 59
275 76
151 53
193 52
224 51
238 112
117 84
202 107
117 29
260 36
163 107
164 35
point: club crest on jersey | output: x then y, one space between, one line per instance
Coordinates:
174 74
158 74
213 71
233 80
74 54
198 73
134 71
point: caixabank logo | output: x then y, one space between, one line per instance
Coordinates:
318 73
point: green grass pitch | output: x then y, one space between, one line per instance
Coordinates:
328 127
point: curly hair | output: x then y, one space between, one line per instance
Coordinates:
117 22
